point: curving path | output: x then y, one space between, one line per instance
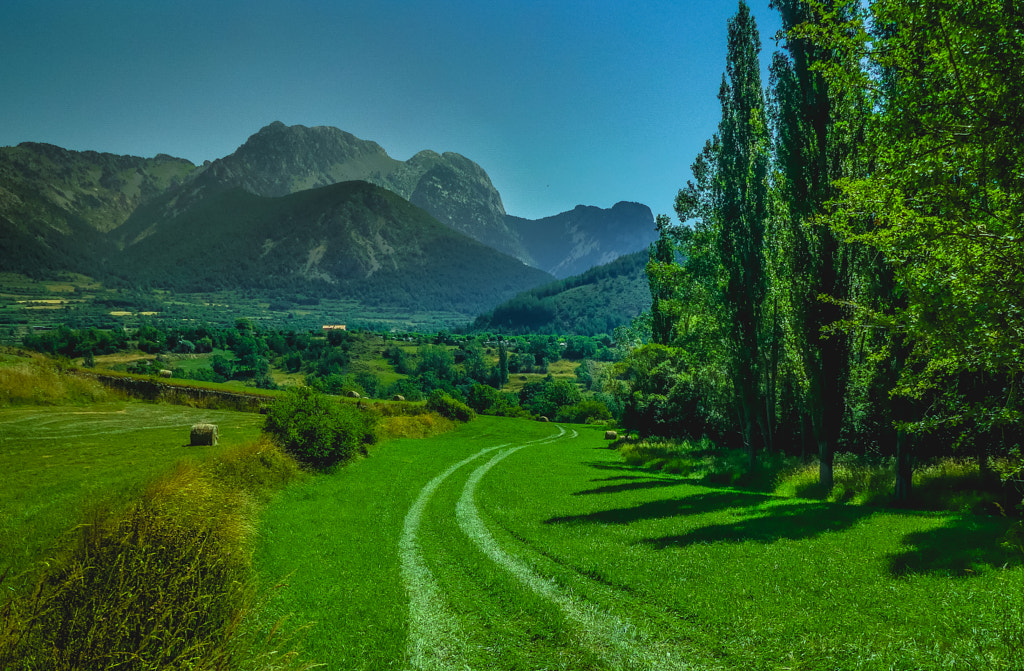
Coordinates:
436 639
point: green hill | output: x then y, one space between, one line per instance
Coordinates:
351 240
591 303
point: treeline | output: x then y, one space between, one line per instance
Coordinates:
469 369
852 267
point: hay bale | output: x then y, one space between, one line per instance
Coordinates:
204 434
353 394
398 397
165 373
611 435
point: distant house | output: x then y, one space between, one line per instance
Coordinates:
334 327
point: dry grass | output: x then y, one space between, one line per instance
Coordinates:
425 425
165 583
32 379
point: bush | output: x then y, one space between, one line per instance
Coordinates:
584 412
317 430
446 406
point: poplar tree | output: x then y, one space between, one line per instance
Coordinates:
730 201
817 128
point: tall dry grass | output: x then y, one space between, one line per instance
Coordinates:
32 379
165 583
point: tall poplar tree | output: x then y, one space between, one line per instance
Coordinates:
817 129
730 201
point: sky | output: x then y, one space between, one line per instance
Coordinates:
562 102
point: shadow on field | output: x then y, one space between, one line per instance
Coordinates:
798 521
966 547
631 486
690 505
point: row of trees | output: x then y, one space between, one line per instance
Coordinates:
847 266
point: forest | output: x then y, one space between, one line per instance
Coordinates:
846 269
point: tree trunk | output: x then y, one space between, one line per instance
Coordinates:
904 467
826 473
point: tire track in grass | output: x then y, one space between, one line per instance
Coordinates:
436 640
615 639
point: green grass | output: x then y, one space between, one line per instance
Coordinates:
58 461
443 553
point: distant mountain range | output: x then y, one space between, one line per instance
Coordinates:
316 207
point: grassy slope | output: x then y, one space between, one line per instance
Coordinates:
56 462
576 560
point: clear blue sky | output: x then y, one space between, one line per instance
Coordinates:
563 102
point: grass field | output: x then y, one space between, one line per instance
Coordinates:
511 544
58 461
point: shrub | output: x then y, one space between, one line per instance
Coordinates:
584 412
446 406
316 430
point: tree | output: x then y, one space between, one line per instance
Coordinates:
945 197
502 363
817 129
663 283
730 201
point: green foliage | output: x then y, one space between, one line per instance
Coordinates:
317 430
446 406
667 391
588 411
487 400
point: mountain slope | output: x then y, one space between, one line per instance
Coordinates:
280 160
352 239
569 243
55 204
592 303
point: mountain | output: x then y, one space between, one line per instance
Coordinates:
269 215
280 160
56 205
569 243
591 303
349 240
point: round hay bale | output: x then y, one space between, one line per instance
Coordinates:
353 394
398 397
611 435
203 434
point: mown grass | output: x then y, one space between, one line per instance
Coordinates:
758 581
722 577
57 461
334 542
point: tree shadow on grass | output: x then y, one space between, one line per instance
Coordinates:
967 546
696 504
631 486
796 521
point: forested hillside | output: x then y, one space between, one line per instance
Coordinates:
852 265
351 239
597 301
